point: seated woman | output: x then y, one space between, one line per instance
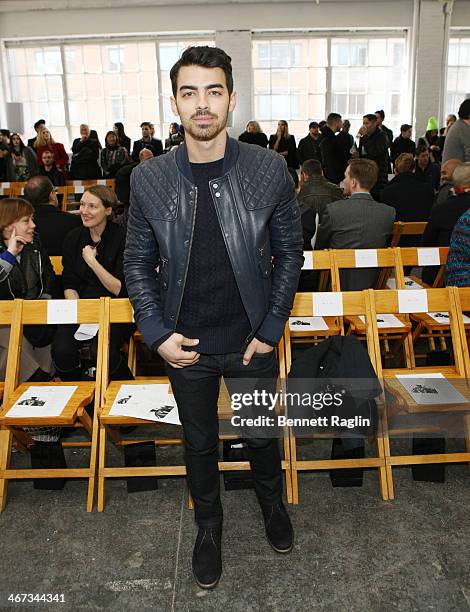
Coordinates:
22 163
25 272
113 156
45 142
92 268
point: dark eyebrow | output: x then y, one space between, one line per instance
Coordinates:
211 86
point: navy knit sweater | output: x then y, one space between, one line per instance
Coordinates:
212 309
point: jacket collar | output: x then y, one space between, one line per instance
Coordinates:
230 158
363 195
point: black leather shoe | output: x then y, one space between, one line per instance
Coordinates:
207 557
278 527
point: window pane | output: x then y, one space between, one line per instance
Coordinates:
279 81
262 81
458 73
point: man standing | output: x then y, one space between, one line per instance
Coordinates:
147 142
333 159
373 145
217 311
40 123
309 147
380 116
457 142
403 143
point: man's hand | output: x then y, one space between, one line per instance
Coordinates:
172 352
255 346
15 243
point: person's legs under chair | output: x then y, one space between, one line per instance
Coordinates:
66 353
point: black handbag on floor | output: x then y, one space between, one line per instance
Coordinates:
140 454
48 455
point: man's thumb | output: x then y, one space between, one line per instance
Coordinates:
190 341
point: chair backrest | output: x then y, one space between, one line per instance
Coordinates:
6 189
426 256
117 310
462 305
17 189
348 259
402 301
56 261
408 228
44 312
346 303
321 261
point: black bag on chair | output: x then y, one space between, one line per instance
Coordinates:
48 455
140 454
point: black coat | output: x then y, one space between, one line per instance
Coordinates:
402 145
258 138
85 156
409 196
309 148
32 277
154 145
286 144
440 226
375 147
55 175
53 225
333 156
431 174
78 275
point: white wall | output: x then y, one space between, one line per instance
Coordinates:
287 15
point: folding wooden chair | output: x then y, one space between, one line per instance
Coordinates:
393 333
6 189
56 261
314 329
353 304
74 414
120 311
408 228
17 189
462 305
406 405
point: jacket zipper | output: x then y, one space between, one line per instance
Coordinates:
189 255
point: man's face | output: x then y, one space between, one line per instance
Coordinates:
4 139
406 134
369 125
47 158
346 126
84 131
39 127
423 158
379 119
202 101
314 131
449 121
146 132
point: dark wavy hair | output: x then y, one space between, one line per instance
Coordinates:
208 57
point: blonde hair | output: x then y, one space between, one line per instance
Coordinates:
41 141
258 129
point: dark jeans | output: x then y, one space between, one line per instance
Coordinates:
66 351
196 390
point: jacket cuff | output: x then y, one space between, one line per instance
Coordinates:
9 257
156 345
271 329
153 331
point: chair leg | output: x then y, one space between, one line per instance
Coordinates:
386 445
5 453
467 433
293 466
93 457
381 453
101 466
288 470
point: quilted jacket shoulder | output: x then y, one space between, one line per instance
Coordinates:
257 168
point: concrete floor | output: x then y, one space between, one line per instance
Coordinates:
353 551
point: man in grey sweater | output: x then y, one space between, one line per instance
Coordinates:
457 143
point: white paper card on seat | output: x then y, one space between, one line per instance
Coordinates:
308 260
101 182
429 257
385 320
412 301
366 258
431 389
444 319
327 304
62 311
86 331
151 402
44 401
307 324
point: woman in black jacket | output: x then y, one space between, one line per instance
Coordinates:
92 268
124 140
86 151
25 272
284 144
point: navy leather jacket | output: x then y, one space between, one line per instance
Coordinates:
259 218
